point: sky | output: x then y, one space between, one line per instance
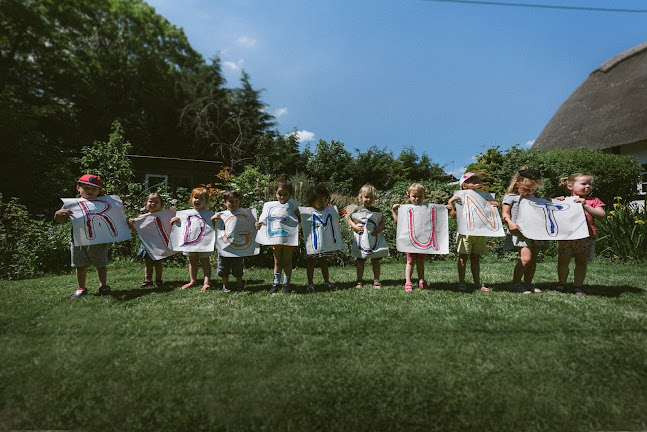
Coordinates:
448 79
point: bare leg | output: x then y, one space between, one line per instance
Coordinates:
323 263
81 276
376 268
102 274
360 269
563 262
462 265
206 269
475 267
194 263
581 264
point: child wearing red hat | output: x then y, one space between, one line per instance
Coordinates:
89 187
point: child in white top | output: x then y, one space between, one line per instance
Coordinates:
229 265
283 190
199 199
366 197
318 197
523 185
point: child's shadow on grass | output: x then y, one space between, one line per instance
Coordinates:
126 295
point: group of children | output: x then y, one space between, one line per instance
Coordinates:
470 248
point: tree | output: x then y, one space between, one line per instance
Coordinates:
332 164
277 154
69 69
377 167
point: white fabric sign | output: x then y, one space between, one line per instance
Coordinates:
368 245
194 232
99 220
541 219
154 231
321 230
476 216
423 229
236 233
280 224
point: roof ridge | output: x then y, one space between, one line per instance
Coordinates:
614 61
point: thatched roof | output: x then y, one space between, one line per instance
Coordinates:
609 109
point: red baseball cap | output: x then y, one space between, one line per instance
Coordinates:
91 179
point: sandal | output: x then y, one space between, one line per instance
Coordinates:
105 290
461 287
310 288
423 285
482 287
578 292
146 283
408 287
206 287
521 288
189 285
158 283
533 288
560 289
377 284
359 284
329 285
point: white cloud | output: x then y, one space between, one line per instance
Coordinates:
303 135
246 42
280 112
237 65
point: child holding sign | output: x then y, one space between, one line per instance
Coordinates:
199 199
318 197
227 264
470 247
415 194
523 185
366 197
580 185
89 187
288 209
153 204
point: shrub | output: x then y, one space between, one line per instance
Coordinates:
623 233
30 247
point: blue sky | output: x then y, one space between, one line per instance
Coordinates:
449 79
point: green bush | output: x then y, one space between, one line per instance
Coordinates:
30 247
623 233
614 174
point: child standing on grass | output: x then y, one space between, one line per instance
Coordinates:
523 185
89 187
153 204
199 199
283 190
470 248
415 194
318 197
366 197
580 185
229 265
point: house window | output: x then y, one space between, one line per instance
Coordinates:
156 182
642 186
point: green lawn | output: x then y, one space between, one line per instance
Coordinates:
351 359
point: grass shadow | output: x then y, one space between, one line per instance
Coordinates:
131 294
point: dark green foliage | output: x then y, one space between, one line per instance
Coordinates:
30 246
614 174
623 233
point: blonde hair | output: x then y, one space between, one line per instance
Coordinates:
199 192
415 187
573 178
368 190
524 175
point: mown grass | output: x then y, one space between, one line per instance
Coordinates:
350 360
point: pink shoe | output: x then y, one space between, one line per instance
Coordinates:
408 287
423 285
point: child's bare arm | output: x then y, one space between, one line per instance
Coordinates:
63 215
508 219
394 211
